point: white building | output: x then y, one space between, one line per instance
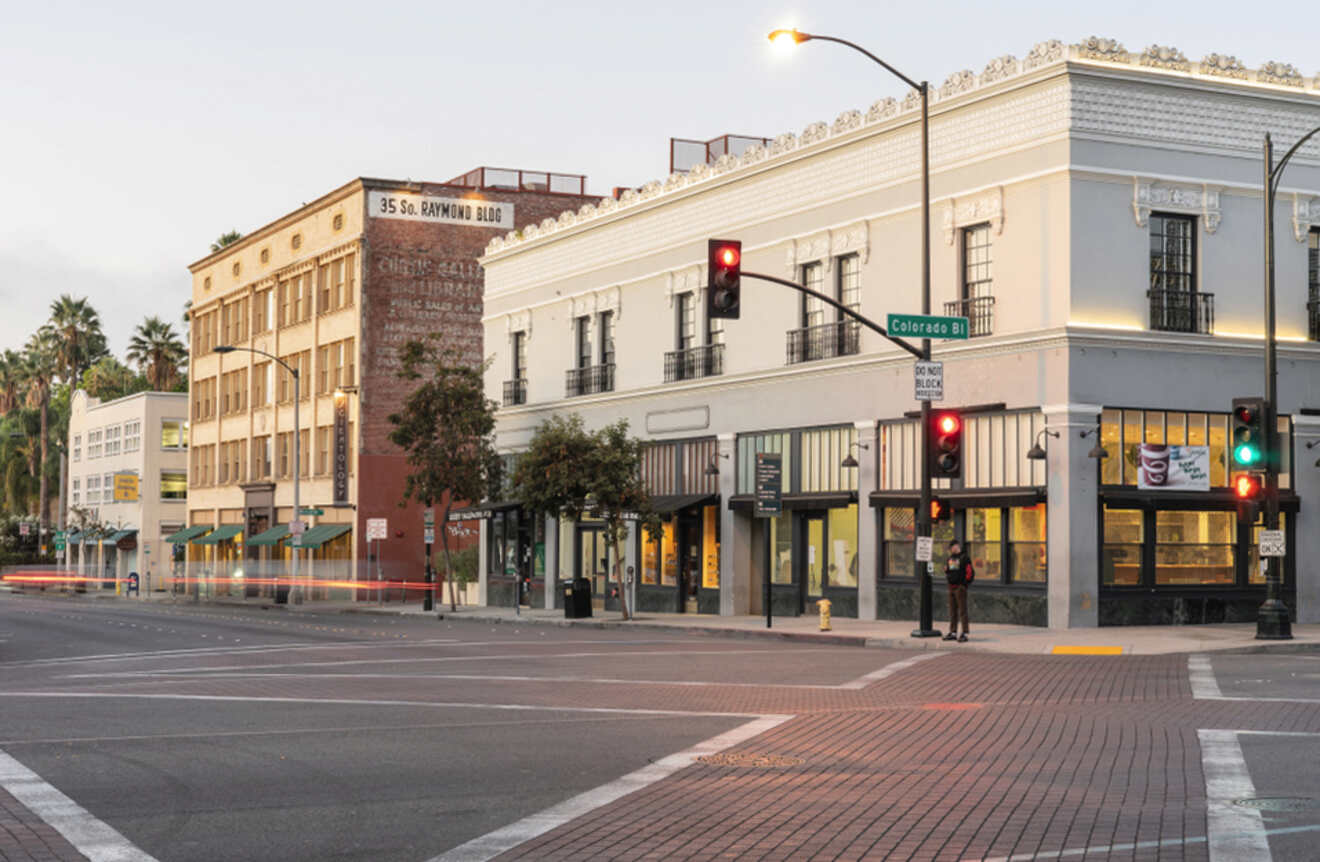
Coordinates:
1096 213
143 436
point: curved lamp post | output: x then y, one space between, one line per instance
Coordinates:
297 460
1272 620
925 626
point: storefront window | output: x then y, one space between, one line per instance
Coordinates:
710 548
781 548
650 559
1254 575
1111 467
1154 426
495 547
843 546
1026 543
985 542
1195 547
1218 437
1120 561
1131 445
669 555
899 543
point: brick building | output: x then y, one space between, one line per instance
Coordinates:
332 289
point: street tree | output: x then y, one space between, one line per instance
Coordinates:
79 341
226 238
109 379
11 380
158 352
568 472
446 427
41 366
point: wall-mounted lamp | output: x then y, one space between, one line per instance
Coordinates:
713 468
849 460
1036 452
1097 451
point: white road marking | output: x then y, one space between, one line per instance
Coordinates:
93 838
494 843
1234 833
256 674
890 669
1136 845
1202 677
368 702
209 651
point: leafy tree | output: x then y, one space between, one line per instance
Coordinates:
227 238
79 340
158 352
567 471
109 379
11 380
446 426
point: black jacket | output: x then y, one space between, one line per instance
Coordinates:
958 570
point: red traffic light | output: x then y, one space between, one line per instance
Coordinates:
1246 486
728 255
948 423
1245 413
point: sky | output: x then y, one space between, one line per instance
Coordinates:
133 134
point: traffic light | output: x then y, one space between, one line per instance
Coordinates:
1249 433
944 444
724 268
939 510
1246 487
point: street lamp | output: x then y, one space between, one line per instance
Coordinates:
1272 620
297 461
925 626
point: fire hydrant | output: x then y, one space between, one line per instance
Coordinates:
824 607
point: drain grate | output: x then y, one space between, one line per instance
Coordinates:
1278 803
762 761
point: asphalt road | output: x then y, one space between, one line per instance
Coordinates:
203 733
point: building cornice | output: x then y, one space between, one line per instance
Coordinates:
1095 56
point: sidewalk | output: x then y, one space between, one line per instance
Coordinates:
894 634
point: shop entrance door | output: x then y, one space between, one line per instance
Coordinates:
689 564
593 562
811 561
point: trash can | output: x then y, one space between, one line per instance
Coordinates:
577 598
281 594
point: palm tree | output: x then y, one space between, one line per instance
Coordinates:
225 239
80 339
158 352
41 366
11 378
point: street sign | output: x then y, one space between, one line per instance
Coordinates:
925 548
377 529
1272 543
428 516
306 511
24 529
769 484
927 326
928 380
428 534
297 528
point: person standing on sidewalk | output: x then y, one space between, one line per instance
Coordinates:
959 573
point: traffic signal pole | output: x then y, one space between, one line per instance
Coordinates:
925 623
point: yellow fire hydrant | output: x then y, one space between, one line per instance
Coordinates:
824 607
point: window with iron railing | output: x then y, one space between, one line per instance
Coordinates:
976 300
819 337
1175 303
701 361
841 338
515 390
589 380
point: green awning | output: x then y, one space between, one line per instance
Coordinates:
115 537
188 533
270 537
223 533
322 533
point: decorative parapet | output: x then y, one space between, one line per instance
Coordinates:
1199 200
827 245
519 321
1155 58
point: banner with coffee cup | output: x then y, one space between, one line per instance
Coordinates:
1174 468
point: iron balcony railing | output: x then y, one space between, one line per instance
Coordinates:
1313 318
823 341
1182 311
979 311
586 381
515 392
694 362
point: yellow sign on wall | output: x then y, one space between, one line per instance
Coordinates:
126 487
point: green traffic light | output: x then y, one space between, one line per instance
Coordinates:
1245 454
